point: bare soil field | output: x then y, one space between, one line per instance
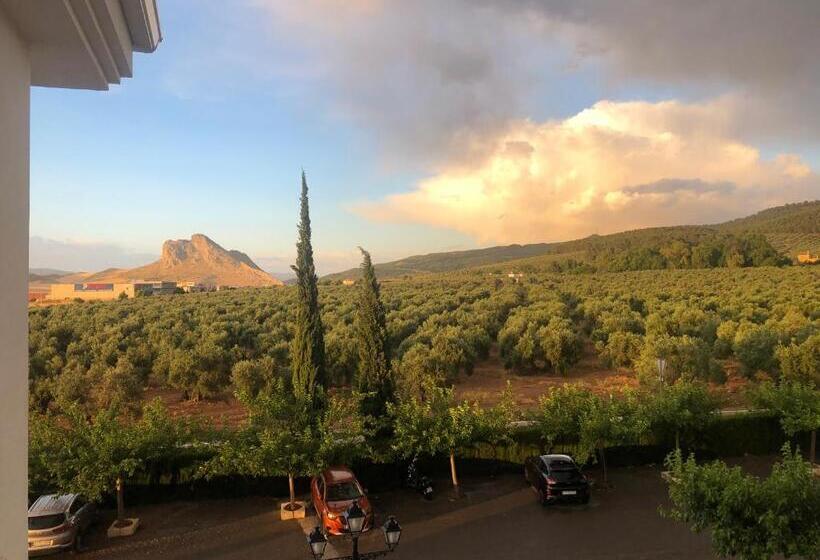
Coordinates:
489 379
226 411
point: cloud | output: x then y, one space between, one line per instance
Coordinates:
434 80
681 185
611 167
426 78
764 54
79 256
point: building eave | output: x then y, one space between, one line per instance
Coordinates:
84 44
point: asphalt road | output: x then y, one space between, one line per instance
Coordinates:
493 519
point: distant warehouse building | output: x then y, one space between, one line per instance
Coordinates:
106 291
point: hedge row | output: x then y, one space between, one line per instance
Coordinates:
751 433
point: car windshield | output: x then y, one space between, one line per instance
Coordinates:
41 522
565 474
343 491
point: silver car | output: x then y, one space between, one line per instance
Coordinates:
57 522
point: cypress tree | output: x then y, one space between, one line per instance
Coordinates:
307 352
373 377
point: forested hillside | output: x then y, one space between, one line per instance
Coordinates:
786 230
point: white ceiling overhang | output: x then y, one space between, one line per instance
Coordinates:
86 44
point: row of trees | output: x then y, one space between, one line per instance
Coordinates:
286 435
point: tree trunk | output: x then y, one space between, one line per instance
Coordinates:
292 491
813 447
453 469
603 462
120 500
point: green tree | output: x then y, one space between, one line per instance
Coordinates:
308 344
95 455
560 345
284 437
254 376
801 362
279 439
797 404
748 518
685 409
495 424
754 346
622 349
374 378
613 420
435 425
559 413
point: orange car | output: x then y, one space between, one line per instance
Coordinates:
333 492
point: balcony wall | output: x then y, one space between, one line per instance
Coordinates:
14 199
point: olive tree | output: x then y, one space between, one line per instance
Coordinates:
801 362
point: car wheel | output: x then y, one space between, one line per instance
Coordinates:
585 499
542 497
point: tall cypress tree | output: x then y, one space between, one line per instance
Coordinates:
373 376
307 352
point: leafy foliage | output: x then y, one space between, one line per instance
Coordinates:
749 518
77 453
560 413
685 409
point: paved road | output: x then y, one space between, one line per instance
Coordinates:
495 519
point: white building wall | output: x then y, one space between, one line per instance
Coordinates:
14 199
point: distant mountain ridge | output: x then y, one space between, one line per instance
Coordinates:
199 259
790 229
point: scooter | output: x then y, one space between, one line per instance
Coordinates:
419 482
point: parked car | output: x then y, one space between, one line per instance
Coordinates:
58 522
333 492
556 478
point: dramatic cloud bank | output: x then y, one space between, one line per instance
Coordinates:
438 79
450 87
612 167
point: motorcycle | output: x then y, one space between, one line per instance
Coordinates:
419 482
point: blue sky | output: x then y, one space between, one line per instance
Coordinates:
154 159
211 133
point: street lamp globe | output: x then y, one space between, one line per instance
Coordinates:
355 519
392 532
317 542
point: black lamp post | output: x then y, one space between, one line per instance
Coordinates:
355 524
